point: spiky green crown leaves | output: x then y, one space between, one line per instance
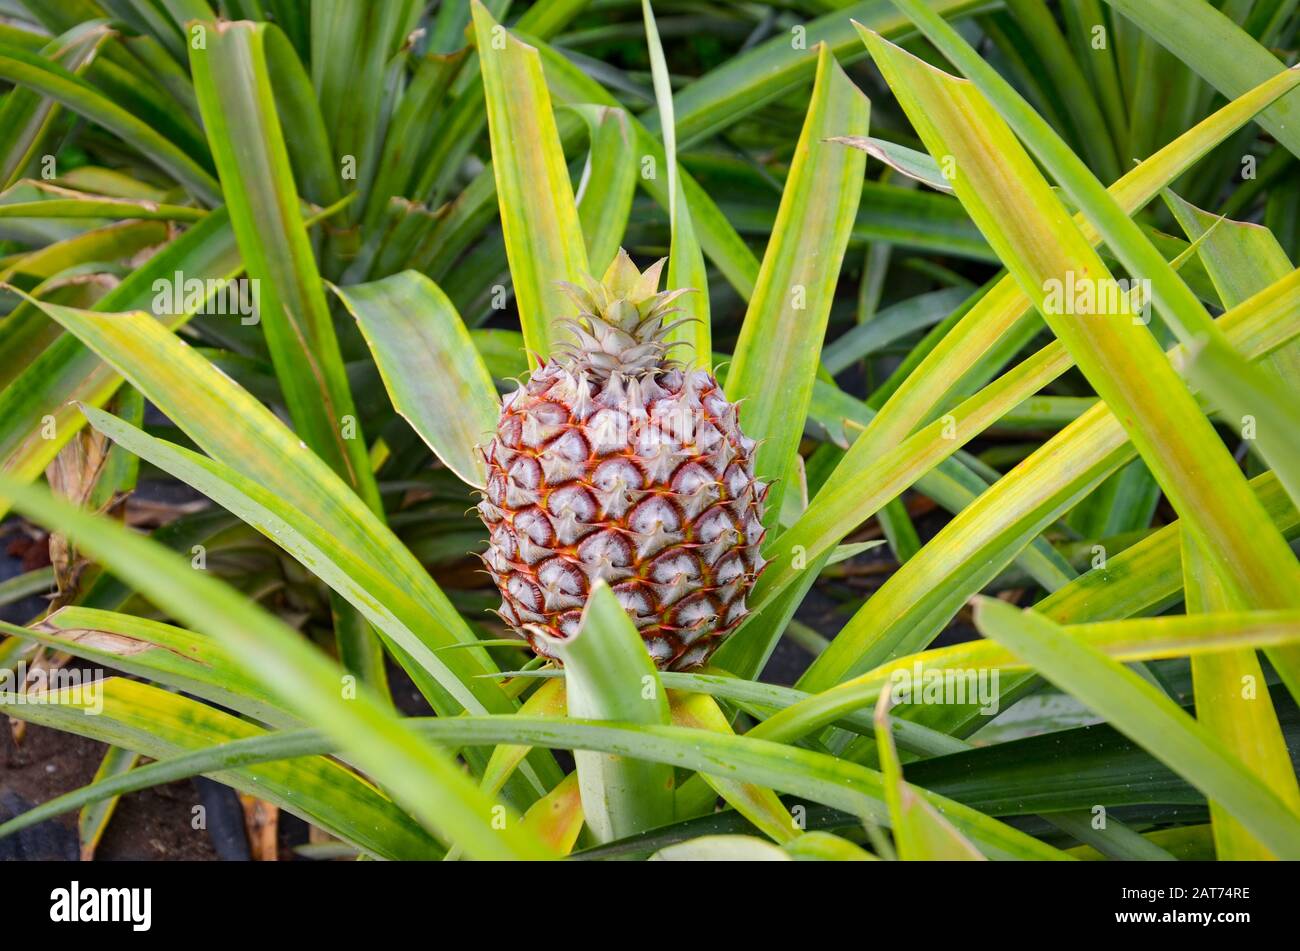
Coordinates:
620 326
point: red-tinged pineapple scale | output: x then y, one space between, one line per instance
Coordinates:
611 461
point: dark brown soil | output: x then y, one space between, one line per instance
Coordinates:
150 824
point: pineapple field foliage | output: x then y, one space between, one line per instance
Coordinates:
979 545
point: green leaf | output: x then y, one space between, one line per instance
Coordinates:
1118 355
1144 579
354 50
758 804
176 730
49 79
160 653
26 117
685 258
423 779
920 833
825 847
609 676
557 817
95 207
930 588
94 818
544 240
41 401
1233 706
1242 260
305 137
915 165
1023 775
781 336
1133 640
1219 51
763 74
716 235
451 680
891 324
722 848
1168 434
959 362
608 182
1140 711
246 438
430 366
236 98
36 581
841 784
1083 113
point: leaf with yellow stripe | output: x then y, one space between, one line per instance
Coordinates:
544 241
781 337
921 833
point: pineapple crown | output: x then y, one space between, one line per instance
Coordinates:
620 325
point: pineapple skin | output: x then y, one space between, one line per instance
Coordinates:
645 481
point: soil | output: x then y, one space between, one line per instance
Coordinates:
149 824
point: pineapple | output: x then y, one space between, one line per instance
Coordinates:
613 461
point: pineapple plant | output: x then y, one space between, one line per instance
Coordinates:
613 462
724 524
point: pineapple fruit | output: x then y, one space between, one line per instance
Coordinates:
613 461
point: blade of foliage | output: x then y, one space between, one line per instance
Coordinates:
685 258
1220 51
891 324
1243 260
802 773
1163 420
159 652
920 832
1081 106
99 208
1022 776
1181 310
26 116
825 847
235 95
39 403
305 136
915 165
544 240
94 818
430 367
176 730
557 817
609 676
781 336
955 363
423 779
924 595
353 49
608 184
1233 707
756 803
1144 579
734 89
722 848
205 402
47 78
1131 640
1139 710
451 680
716 235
